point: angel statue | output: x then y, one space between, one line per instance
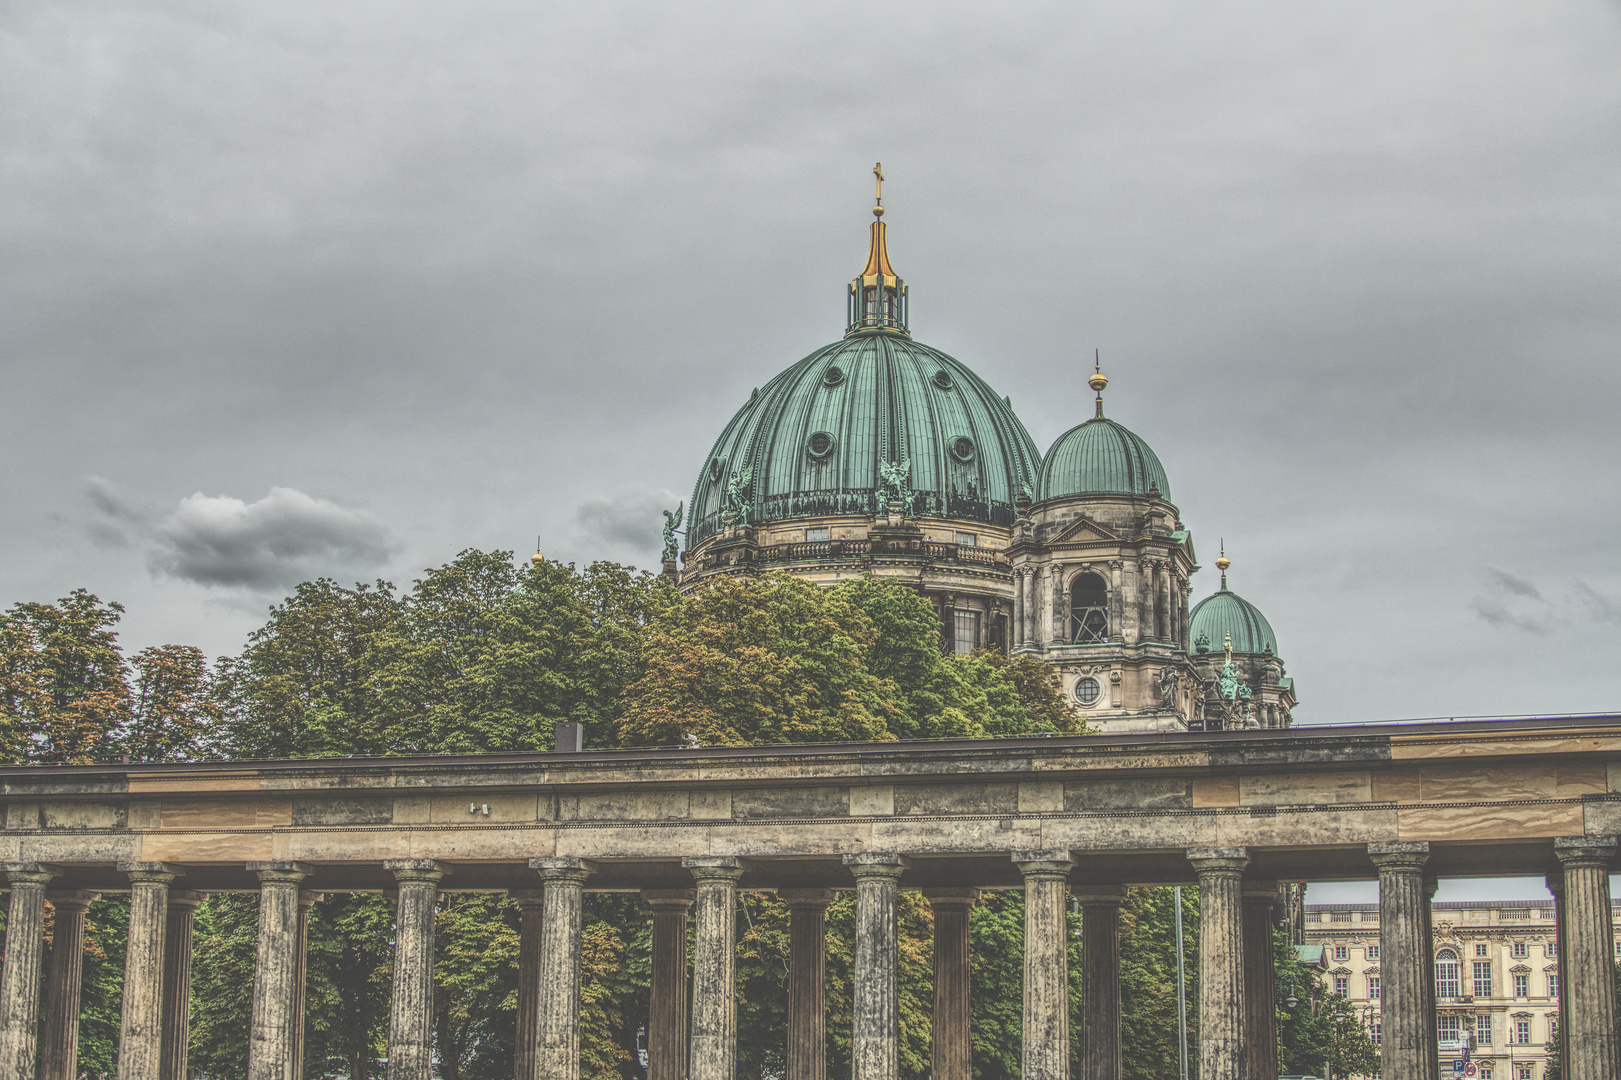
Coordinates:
736 506
672 522
894 484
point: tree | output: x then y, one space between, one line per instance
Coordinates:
64 684
1322 1030
175 710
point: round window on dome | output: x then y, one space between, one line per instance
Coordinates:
833 376
962 448
1088 691
942 379
819 445
717 469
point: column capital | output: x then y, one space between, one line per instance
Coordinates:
185 899
1212 860
416 871
1257 893
1046 863
713 867
1399 854
307 899
1556 885
280 873
1585 850
1099 895
527 899
677 901
876 864
151 873
806 898
561 869
956 897
29 873
72 899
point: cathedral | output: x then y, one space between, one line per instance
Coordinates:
881 455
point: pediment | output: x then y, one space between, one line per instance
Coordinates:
1519 969
1081 530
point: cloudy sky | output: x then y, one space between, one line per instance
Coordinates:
308 288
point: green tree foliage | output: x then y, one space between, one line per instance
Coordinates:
175 710
1321 1029
1148 981
64 685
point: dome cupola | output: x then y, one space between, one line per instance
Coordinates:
1225 618
1101 457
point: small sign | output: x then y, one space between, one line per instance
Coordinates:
1459 1065
1470 1070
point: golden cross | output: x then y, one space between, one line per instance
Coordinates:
878 171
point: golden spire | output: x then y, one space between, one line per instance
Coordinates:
537 558
878 253
878 296
878 198
1222 564
1098 380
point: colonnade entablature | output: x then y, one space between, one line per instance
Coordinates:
1060 818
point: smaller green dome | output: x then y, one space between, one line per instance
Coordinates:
1101 456
1224 613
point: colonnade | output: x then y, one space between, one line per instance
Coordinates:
696 1037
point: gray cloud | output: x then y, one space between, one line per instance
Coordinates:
1513 583
1498 614
220 541
632 521
1600 607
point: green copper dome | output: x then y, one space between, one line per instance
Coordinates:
1224 613
1101 456
811 442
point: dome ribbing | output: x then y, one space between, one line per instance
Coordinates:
1101 457
1225 612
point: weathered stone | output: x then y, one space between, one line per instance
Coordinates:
807 969
557 1018
952 1050
1045 1053
667 994
531 909
306 900
410 1014
1588 985
1407 973
1260 994
1100 981
25 954
713 1051
875 1029
177 984
1221 961
59 1042
275 973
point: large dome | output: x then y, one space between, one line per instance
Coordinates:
1101 457
1224 613
810 442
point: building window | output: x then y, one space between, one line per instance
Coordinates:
1522 986
1553 984
967 539
1446 974
965 631
1483 1030
1375 1030
1342 986
1483 978
1088 610
814 535
1522 1032
1482 949
1088 690
1618 948
1342 952
1374 988
1551 950
1525 1072
1373 952
1485 1071
1518 950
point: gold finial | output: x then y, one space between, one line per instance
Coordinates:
1098 380
1222 564
878 198
537 558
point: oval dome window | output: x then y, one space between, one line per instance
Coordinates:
717 469
962 448
942 379
833 376
819 445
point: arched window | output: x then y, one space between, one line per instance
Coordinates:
1088 609
1446 974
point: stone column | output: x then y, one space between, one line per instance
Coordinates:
1221 960
1146 595
140 1041
1046 963
1016 627
807 1000
59 1044
531 906
1587 969
1432 1034
952 1050
1405 963
713 1051
875 1035
1100 981
410 1012
1117 609
667 997
1556 886
306 901
275 971
1055 586
557 1014
177 984
1260 994
25 958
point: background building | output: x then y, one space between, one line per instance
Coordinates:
1496 977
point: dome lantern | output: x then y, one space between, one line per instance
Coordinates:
877 297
